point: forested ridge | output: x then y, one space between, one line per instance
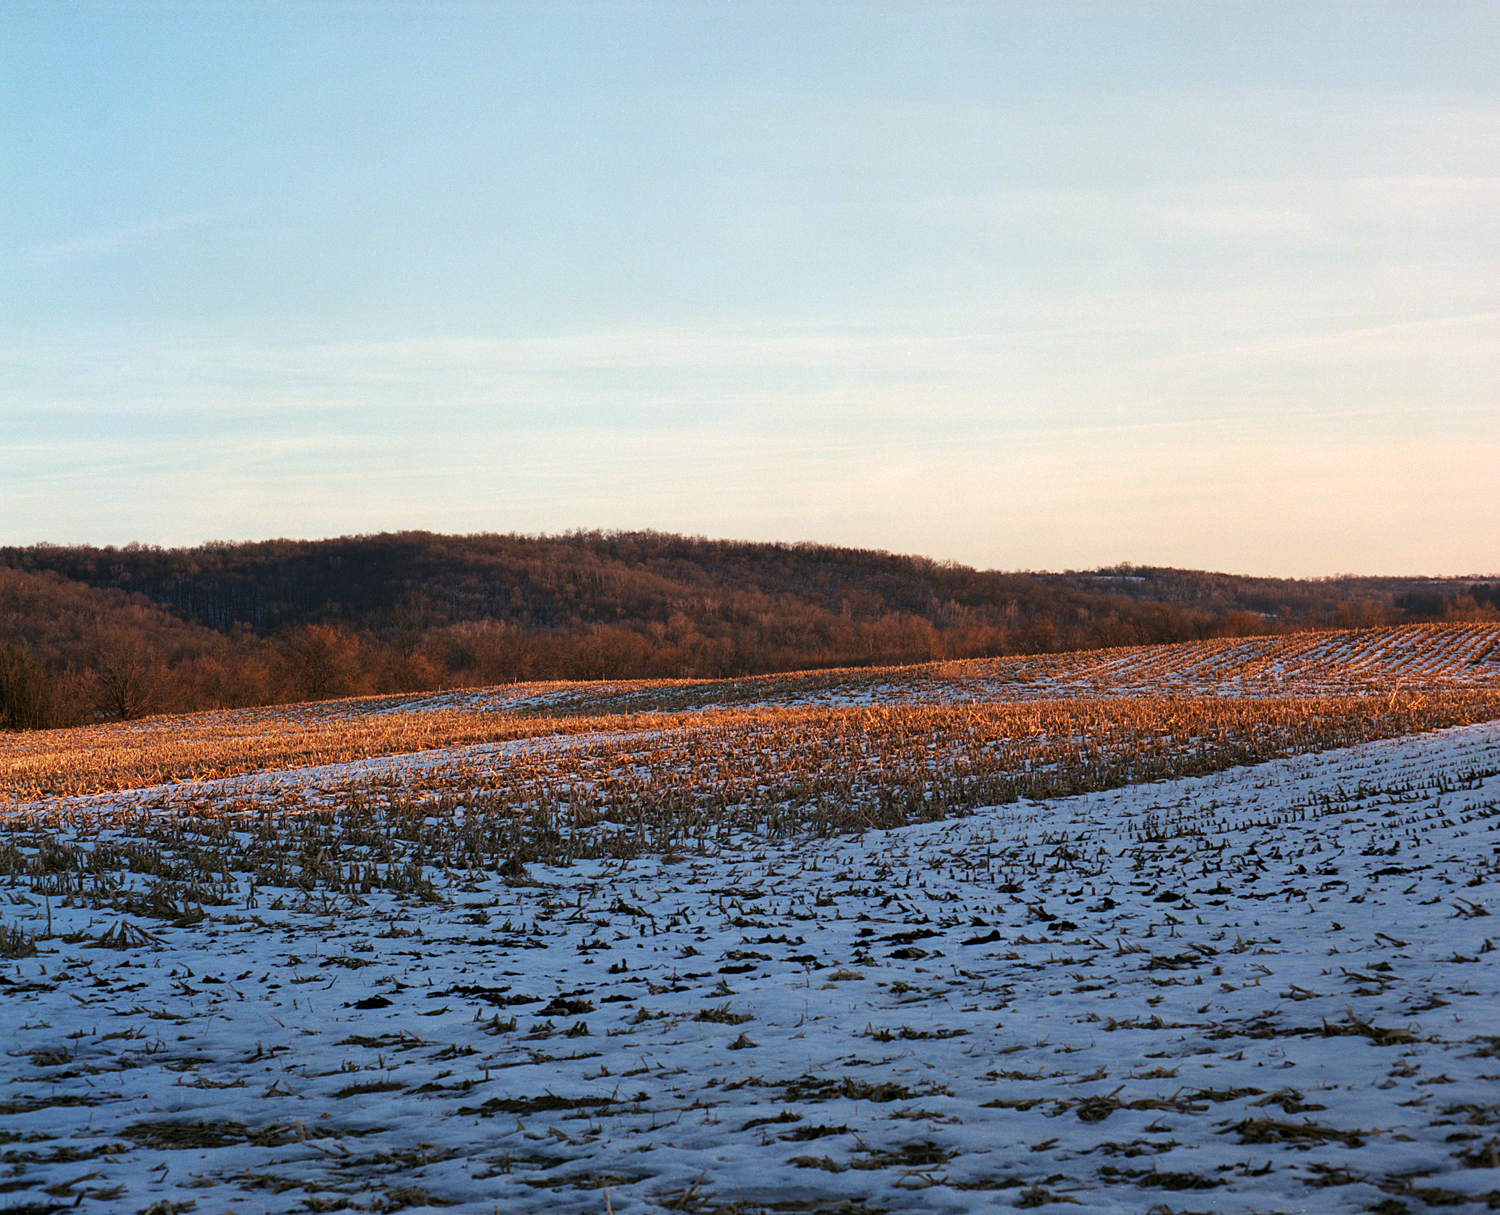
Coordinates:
87 632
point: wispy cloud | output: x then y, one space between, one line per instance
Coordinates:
107 242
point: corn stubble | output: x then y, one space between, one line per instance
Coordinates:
451 808
499 790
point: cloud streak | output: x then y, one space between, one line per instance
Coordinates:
102 243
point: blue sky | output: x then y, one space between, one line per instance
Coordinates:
1021 285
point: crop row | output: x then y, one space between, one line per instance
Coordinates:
686 785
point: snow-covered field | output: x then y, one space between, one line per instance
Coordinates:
1269 989
1412 658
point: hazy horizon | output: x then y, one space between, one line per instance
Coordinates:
1021 286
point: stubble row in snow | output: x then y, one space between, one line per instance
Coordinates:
1270 989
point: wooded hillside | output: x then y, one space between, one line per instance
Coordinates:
120 632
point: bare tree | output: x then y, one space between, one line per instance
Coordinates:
319 662
27 700
125 674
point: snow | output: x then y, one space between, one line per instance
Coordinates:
1004 1009
1409 658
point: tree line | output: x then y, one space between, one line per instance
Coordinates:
92 633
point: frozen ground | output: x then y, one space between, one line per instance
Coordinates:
1271 989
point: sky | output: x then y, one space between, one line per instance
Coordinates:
1025 286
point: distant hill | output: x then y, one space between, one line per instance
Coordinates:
1307 601
223 624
